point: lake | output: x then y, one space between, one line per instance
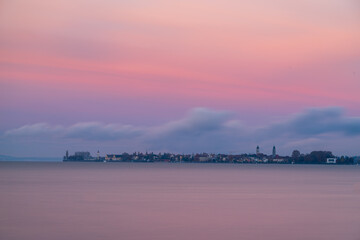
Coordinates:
172 201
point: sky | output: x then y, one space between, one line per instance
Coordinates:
179 76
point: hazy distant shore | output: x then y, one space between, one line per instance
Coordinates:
4 158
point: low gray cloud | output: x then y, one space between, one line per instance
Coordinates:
315 121
98 131
198 121
208 130
35 130
86 131
200 130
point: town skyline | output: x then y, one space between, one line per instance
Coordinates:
315 157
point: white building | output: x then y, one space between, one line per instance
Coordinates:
331 160
278 160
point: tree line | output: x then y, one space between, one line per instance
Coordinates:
318 157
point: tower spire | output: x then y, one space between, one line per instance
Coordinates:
274 152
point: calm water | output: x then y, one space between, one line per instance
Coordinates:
178 201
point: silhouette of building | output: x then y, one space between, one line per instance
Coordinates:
83 155
79 156
274 152
257 150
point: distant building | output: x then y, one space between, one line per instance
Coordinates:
84 155
204 159
274 152
331 160
113 157
278 160
79 156
257 150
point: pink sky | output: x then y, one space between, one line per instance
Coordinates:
148 62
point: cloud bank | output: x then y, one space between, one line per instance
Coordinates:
204 129
317 121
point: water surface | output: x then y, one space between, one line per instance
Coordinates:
96 201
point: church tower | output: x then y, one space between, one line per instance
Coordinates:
274 152
257 150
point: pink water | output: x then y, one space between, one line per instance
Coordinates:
124 201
